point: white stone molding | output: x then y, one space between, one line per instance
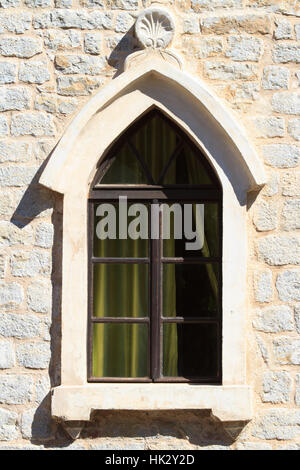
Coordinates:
155 28
70 170
136 58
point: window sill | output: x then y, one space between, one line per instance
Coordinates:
228 403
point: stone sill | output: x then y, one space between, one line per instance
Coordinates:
229 403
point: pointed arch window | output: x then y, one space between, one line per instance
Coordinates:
154 303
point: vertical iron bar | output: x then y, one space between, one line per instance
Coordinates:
90 225
155 311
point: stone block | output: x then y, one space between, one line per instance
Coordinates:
288 285
274 319
35 123
291 183
244 48
7 355
200 47
285 53
291 214
280 424
15 23
16 175
263 290
34 72
57 40
34 355
275 77
283 30
39 296
79 64
281 155
77 86
15 389
14 98
268 127
286 350
229 71
8 425
11 151
230 24
294 128
278 250
8 72
20 46
286 103
266 216
30 263
92 43
11 294
15 325
277 387
3 126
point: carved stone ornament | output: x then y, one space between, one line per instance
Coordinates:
155 28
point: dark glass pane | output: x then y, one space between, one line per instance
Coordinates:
120 350
123 168
199 226
190 350
155 142
111 222
187 169
121 290
190 290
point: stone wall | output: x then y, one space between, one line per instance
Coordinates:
54 56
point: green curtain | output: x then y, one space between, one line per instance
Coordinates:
120 350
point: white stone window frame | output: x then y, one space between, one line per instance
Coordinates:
153 82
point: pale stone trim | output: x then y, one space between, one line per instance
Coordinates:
70 171
226 403
55 174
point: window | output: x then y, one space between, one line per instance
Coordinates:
70 171
155 307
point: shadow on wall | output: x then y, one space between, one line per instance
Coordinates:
126 46
149 430
35 203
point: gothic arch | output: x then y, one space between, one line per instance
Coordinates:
186 100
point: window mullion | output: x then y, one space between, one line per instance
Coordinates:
155 304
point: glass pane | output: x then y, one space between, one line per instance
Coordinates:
187 169
120 350
124 168
190 350
111 221
190 230
190 290
121 290
155 141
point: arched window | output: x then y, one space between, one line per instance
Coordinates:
155 252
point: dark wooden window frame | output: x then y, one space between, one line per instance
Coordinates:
154 194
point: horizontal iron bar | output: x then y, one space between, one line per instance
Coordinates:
207 380
191 260
189 320
120 320
119 379
120 260
196 195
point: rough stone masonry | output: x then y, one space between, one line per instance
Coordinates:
54 56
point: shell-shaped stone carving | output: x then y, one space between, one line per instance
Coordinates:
155 28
